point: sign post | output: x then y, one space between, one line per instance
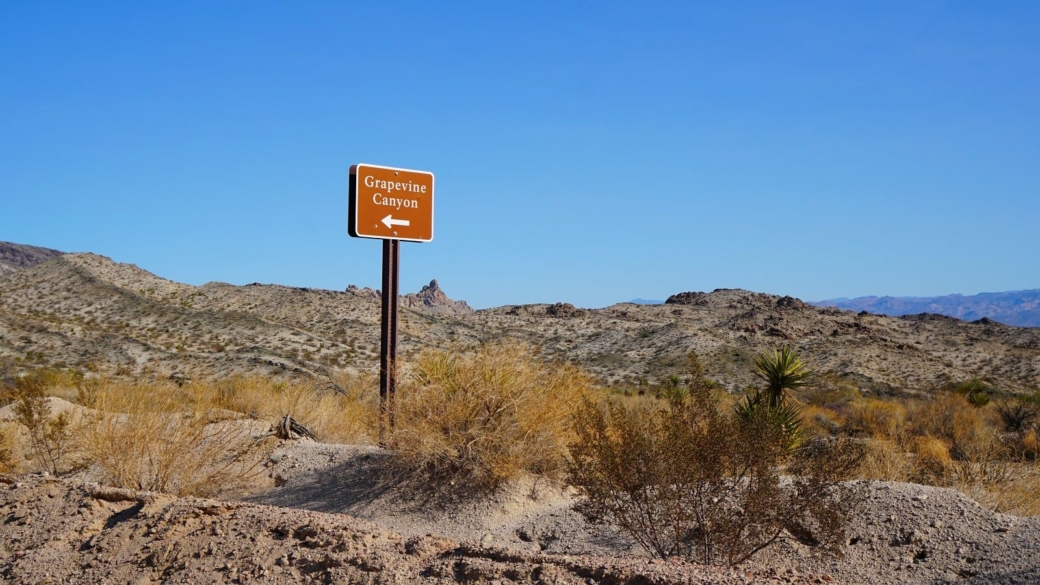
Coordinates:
392 205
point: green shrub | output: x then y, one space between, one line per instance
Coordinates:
976 392
692 481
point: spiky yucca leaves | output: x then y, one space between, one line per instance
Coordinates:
787 417
782 372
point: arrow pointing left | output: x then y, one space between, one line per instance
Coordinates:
390 222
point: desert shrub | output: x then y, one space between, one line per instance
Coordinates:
695 481
157 437
1030 445
487 416
983 464
782 372
50 437
945 416
976 392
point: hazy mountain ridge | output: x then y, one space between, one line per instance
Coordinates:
1019 308
86 311
14 257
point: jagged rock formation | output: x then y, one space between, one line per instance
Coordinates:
14 257
433 300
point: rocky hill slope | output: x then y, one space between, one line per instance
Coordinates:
86 311
1019 308
14 257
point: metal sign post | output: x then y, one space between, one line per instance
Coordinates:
388 339
392 205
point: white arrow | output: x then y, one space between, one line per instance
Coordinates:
390 222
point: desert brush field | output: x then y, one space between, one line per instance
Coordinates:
152 431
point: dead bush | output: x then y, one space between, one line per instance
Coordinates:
1017 415
485 417
158 438
692 481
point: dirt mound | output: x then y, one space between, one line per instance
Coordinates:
64 531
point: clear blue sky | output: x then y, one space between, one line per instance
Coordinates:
588 152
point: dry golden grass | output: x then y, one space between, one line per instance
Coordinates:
945 441
7 453
933 464
885 459
1030 445
159 437
877 418
199 439
350 418
486 416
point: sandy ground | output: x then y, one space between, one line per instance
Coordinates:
903 533
337 514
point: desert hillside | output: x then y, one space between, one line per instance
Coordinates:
88 312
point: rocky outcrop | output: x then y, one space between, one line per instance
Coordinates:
564 311
688 298
368 293
431 299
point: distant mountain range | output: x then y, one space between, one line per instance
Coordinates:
1020 308
646 302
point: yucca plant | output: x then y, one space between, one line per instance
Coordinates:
787 416
782 371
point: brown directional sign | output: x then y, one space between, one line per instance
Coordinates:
390 204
